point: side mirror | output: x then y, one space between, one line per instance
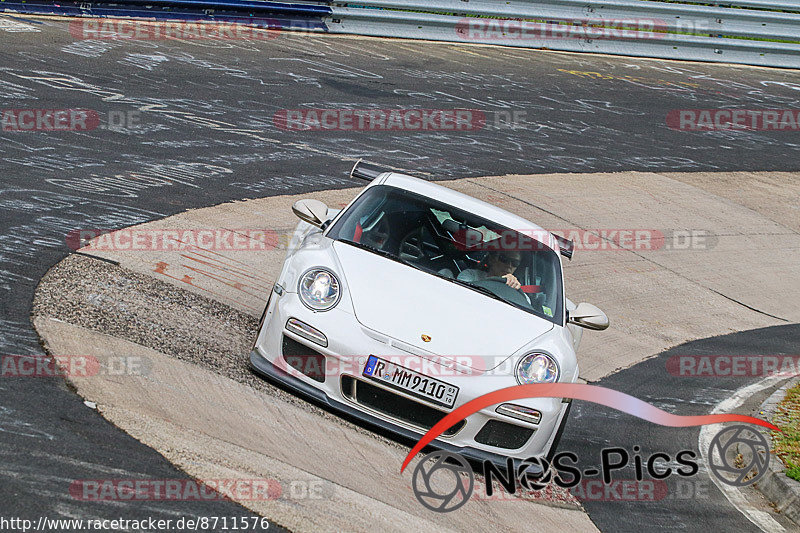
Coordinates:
588 316
312 211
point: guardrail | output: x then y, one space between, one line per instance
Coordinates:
753 32
743 33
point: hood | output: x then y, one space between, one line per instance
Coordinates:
404 303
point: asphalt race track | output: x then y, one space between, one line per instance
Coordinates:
190 124
651 382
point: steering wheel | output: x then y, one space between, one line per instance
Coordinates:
515 295
412 247
496 278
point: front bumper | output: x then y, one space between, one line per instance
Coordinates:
299 387
345 335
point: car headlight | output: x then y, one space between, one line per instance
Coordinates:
537 367
319 289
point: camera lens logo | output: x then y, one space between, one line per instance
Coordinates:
439 484
535 473
738 455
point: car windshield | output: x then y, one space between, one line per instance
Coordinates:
455 245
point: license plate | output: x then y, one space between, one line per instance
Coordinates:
411 382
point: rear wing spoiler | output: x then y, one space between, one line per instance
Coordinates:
365 171
565 246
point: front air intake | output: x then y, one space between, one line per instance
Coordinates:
503 435
308 362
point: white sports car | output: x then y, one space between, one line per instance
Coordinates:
415 299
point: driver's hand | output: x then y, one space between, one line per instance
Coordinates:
512 281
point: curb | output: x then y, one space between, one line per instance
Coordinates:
782 491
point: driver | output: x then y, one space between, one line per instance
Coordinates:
498 265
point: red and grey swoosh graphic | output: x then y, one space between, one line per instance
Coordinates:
576 391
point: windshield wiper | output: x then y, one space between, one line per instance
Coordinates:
487 292
378 251
483 290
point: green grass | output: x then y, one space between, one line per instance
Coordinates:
786 445
793 471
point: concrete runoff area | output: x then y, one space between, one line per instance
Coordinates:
737 275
